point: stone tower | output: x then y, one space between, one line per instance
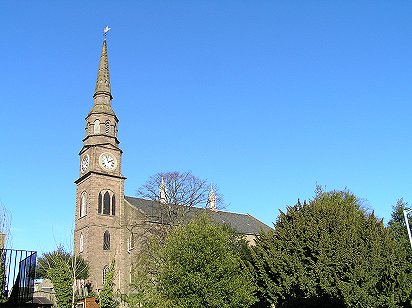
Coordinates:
98 236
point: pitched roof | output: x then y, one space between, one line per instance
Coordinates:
242 223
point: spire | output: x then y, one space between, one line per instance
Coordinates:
212 199
103 75
162 192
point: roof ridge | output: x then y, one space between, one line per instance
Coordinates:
200 208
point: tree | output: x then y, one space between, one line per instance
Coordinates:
330 252
5 222
106 296
398 226
62 269
178 193
5 241
182 190
198 265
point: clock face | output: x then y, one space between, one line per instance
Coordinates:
84 165
107 161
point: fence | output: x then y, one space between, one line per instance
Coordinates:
17 273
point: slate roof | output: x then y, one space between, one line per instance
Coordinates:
242 223
42 301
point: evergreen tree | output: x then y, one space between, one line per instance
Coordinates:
62 268
331 253
106 296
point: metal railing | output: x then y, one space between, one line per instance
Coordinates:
17 273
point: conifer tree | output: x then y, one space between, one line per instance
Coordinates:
331 253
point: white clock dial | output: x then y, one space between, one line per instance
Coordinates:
85 163
107 161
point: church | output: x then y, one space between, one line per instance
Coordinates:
108 224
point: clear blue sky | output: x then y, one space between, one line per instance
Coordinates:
264 98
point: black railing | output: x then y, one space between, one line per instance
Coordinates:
17 273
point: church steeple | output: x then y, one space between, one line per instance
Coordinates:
100 206
103 93
103 74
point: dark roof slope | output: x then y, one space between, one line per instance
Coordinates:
242 223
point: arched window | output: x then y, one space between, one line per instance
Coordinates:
83 204
99 210
81 244
115 130
97 126
106 203
107 127
130 242
106 240
113 205
90 128
105 271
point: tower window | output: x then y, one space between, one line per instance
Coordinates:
107 127
115 130
106 203
81 244
83 204
105 271
106 240
97 126
130 242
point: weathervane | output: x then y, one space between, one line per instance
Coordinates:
105 30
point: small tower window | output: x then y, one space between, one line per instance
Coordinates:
83 204
115 130
81 244
97 126
130 242
107 127
106 203
90 128
105 271
106 240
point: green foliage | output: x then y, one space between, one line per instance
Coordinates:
398 226
331 253
106 296
61 267
48 259
61 277
198 265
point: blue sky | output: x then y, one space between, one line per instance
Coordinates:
264 98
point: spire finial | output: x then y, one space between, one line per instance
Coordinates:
105 30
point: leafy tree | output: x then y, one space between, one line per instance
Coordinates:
331 253
198 265
106 296
62 268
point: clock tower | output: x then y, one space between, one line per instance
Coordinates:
100 186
